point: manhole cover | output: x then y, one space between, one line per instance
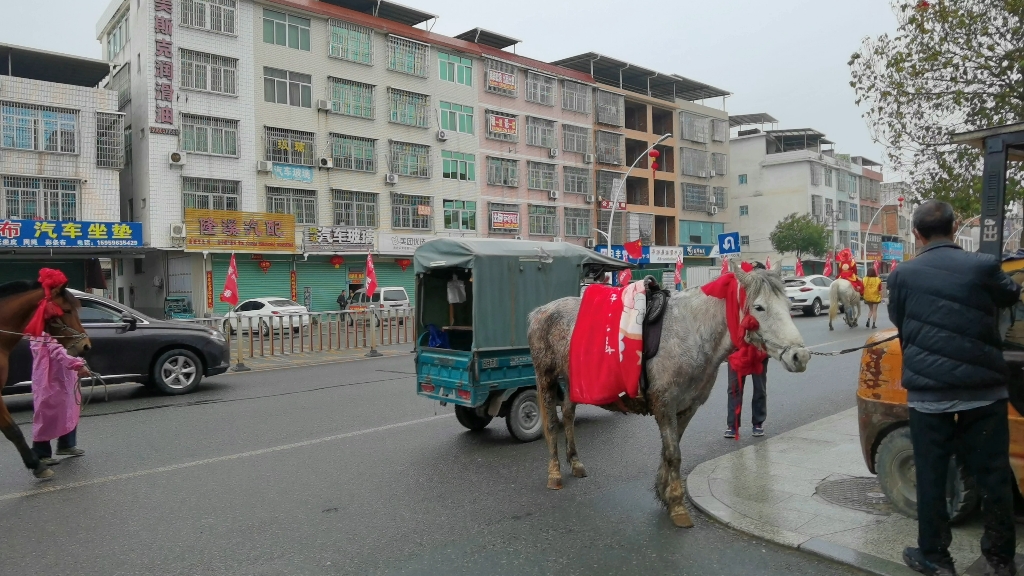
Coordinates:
862 494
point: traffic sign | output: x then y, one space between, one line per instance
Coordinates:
729 243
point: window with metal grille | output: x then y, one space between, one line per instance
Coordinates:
742 179
459 215
285 87
355 208
844 238
117 37
695 197
209 194
575 97
409 108
455 69
299 203
412 212
285 30
354 153
542 176
407 56
575 138
351 42
456 118
213 15
410 159
695 162
577 222
854 213
110 140
40 198
720 164
816 173
290 146
719 130
206 135
501 126
502 78
208 72
828 177
502 172
720 197
39 128
351 98
540 89
543 220
458 166
641 226
504 218
843 208
610 147
611 108
744 240
122 84
695 128
619 227
607 185
577 180
744 210
540 132
816 206
841 182
829 207
127 145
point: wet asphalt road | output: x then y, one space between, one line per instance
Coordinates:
342 469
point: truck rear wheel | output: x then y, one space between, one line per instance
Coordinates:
897 475
523 420
471 419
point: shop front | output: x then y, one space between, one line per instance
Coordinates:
660 261
333 260
393 264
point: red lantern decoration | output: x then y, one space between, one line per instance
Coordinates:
264 265
654 165
654 154
337 261
901 202
403 263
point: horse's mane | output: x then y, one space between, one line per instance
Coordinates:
763 281
21 286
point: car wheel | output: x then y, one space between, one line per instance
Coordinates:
523 420
471 418
264 328
816 308
897 474
177 372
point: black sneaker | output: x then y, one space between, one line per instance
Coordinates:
730 433
1000 568
917 561
757 432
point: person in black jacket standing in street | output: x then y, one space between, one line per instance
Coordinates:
945 304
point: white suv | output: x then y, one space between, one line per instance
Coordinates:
809 294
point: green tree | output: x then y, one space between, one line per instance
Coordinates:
801 235
952 66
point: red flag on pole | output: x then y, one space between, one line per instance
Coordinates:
878 266
230 293
679 270
768 262
635 249
371 276
893 267
828 265
799 269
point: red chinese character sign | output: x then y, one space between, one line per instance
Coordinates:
163 63
239 231
371 276
230 292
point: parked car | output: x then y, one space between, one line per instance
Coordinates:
266 312
393 298
808 294
128 346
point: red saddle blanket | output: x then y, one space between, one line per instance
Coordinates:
606 347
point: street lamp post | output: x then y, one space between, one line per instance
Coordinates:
618 190
864 240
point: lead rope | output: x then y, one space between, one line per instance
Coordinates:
93 378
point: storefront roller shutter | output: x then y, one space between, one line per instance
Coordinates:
12 270
324 281
252 282
391 274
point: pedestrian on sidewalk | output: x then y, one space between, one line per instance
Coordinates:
758 403
56 399
872 296
945 305
342 301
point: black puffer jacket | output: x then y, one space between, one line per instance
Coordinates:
945 304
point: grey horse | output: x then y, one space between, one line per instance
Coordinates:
842 293
695 341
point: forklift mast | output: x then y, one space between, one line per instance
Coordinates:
997 148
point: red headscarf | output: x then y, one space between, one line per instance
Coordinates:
50 279
747 359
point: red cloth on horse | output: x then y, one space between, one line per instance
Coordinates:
747 359
604 362
46 310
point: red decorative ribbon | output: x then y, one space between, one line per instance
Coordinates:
46 310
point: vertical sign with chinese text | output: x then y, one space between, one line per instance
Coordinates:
163 63
209 289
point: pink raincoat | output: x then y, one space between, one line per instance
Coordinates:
55 396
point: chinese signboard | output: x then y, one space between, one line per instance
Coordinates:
356 276
619 253
873 247
337 239
62 234
398 245
892 251
508 221
209 289
501 80
668 254
293 171
238 231
501 124
163 64
607 205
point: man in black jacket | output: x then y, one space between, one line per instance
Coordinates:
945 304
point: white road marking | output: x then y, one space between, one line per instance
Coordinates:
107 479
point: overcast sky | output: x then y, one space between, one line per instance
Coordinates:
784 57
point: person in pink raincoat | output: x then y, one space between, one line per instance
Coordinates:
56 399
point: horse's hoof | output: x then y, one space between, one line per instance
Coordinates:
554 483
43 473
831 328
578 470
682 519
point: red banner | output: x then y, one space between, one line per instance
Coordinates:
230 293
504 220
502 124
209 290
295 286
371 276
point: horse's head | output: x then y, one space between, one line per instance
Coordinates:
67 328
776 333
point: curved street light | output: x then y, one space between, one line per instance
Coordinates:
964 225
618 190
864 243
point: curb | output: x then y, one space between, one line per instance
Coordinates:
698 490
341 360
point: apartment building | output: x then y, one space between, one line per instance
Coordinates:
61 149
871 207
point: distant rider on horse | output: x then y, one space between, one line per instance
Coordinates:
848 269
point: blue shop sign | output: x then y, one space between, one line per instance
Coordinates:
619 253
63 234
293 172
892 251
698 250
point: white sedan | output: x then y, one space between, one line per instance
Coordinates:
810 294
266 312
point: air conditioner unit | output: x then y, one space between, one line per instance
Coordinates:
327 162
323 104
558 239
839 216
553 153
519 237
176 158
590 243
177 230
713 173
264 166
702 174
513 182
588 158
712 209
442 135
391 178
553 195
590 198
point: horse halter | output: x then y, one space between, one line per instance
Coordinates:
76 336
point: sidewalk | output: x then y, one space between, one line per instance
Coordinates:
770 490
315 358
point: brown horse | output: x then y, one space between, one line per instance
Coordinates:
18 302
